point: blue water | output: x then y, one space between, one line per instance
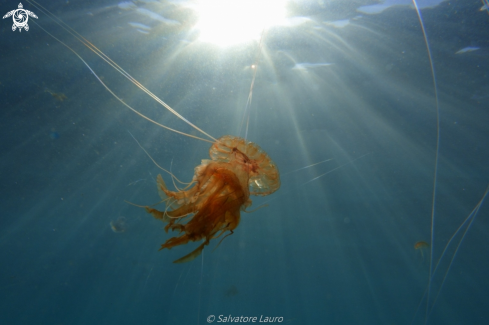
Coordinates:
335 245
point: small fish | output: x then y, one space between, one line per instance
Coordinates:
467 49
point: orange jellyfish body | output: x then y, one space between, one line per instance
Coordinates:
221 189
421 245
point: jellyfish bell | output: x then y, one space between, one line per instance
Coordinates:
261 172
118 225
421 246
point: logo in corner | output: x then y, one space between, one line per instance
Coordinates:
20 17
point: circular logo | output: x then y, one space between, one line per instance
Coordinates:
20 18
211 318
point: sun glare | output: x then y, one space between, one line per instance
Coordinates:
229 22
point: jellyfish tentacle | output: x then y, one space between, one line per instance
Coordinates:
157 214
175 241
119 69
231 233
193 254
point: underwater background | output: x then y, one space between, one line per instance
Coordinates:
345 83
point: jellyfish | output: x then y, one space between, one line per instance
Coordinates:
421 246
221 189
221 186
118 225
